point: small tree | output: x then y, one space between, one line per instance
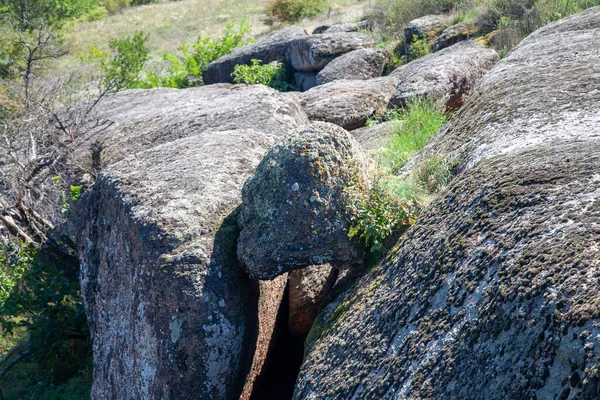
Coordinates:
120 67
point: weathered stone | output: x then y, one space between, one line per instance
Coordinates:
308 288
305 80
294 210
272 48
313 52
493 293
357 64
269 301
349 27
454 34
446 76
374 137
427 27
170 312
348 103
320 29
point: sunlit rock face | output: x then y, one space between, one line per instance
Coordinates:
171 314
494 292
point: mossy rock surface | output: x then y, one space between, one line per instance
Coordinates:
295 210
170 312
494 292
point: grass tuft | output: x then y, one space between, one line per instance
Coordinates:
418 122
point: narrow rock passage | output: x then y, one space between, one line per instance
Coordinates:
283 360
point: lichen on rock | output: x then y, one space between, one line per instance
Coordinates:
493 293
293 210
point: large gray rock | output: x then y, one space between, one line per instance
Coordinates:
454 34
294 210
308 288
349 27
493 293
427 27
170 312
357 64
348 103
272 48
313 52
376 136
446 76
305 80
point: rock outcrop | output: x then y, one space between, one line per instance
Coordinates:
308 288
313 52
349 27
304 81
493 293
294 210
170 312
376 136
454 34
272 48
349 103
357 64
427 27
446 76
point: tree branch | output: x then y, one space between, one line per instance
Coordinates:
14 362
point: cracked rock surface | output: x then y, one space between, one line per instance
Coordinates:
170 312
493 293
294 210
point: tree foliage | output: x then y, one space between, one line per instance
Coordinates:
120 67
185 70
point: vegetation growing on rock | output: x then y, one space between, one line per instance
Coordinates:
49 128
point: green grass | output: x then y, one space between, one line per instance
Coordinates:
173 24
418 122
394 201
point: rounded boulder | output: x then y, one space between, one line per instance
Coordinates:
294 210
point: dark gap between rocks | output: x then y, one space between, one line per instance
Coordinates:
283 361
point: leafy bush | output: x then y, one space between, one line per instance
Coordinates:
113 6
394 202
378 213
186 70
14 261
264 74
419 48
54 13
294 10
417 123
397 13
46 303
515 19
120 67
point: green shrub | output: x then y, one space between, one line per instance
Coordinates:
419 48
294 10
515 19
186 70
120 67
113 6
417 123
377 213
46 302
53 13
394 202
397 13
95 14
264 74
14 261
